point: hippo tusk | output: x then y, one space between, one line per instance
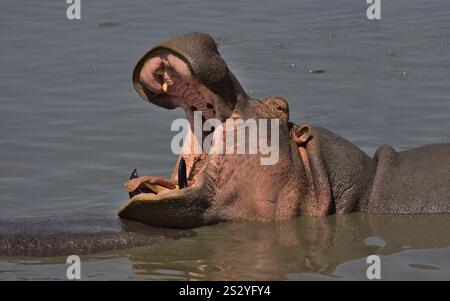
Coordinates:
182 179
134 175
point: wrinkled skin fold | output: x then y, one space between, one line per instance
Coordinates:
318 173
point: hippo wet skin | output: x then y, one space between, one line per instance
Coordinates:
318 173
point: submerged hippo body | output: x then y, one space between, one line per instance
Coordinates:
318 173
51 236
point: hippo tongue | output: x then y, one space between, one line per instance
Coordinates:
147 184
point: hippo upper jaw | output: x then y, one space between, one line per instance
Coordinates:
192 58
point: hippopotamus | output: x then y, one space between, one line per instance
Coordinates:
317 173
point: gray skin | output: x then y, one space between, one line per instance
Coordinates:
318 173
45 237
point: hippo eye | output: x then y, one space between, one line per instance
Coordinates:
279 108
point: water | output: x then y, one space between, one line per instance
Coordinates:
72 127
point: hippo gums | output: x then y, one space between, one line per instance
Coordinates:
317 172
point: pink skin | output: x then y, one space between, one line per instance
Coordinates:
171 65
181 83
168 68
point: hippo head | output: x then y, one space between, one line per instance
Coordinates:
188 72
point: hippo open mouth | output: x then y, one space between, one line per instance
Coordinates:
169 82
175 75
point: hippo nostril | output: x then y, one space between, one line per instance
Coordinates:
209 106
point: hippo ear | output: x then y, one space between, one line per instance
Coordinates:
317 178
302 133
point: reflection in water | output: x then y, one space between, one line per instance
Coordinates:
333 247
274 250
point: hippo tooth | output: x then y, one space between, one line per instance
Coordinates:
182 179
165 87
134 175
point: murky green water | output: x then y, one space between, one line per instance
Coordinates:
72 128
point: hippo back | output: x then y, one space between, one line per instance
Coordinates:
411 181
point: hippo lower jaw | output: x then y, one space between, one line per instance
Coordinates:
180 208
